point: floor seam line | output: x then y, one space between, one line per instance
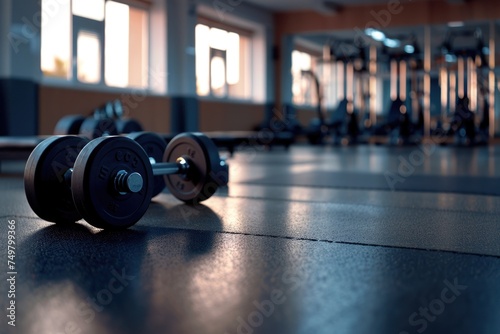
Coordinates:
325 241
354 243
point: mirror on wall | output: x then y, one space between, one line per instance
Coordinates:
429 72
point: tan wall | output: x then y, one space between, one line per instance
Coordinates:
222 116
153 112
400 13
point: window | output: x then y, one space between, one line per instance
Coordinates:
91 9
56 40
222 63
88 59
303 86
106 39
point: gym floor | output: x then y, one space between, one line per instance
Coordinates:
366 239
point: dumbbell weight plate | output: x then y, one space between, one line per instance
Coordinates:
155 146
93 177
124 126
46 190
203 158
94 128
69 125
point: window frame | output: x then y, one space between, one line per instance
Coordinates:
241 31
78 24
314 66
81 24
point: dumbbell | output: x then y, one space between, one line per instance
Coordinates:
105 121
111 115
93 126
89 127
110 110
155 146
114 110
69 125
109 181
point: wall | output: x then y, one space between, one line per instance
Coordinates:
227 116
404 14
19 57
152 111
5 11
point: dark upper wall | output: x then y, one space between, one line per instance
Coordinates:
19 66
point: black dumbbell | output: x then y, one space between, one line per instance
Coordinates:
69 125
155 146
46 178
104 121
89 127
124 125
96 126
111 180
93 128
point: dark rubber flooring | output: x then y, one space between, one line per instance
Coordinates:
386 181
314 240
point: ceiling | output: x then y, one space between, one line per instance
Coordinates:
293 5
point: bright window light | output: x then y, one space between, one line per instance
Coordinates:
301 61
233 58
302 85
296 66
218 69
90 9
126 42
218 39
89 58
219 73
56 39
117 44
126 56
